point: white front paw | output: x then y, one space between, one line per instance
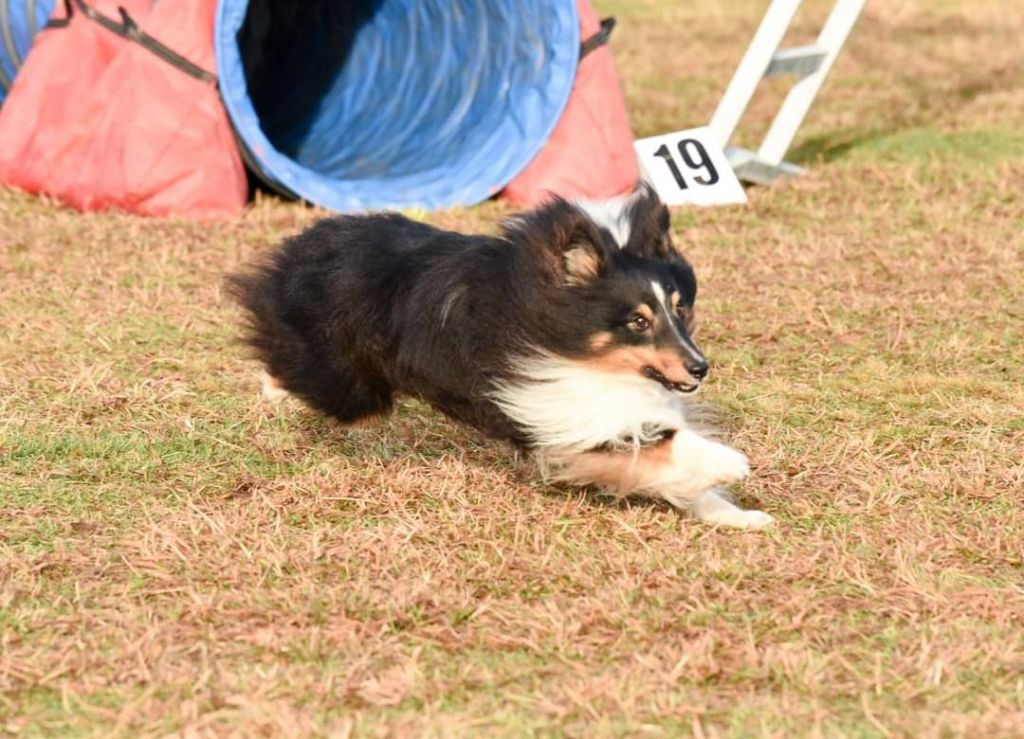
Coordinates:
722 465
731 464
702 463
712 507
739 519
754 520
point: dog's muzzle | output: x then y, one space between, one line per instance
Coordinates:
675 387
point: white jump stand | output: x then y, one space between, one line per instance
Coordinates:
810 64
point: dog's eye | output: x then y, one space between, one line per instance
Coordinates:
638 322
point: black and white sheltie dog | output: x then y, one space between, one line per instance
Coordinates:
569 335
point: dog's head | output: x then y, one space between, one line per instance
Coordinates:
622 297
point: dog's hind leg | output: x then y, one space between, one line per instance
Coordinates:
349 393
271 389
303 358
351 398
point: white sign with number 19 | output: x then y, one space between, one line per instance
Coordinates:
689 168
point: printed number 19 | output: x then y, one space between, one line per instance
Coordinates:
702 161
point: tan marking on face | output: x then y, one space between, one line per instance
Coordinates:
645 310
600 340
625 359
674 301
633 359
689 320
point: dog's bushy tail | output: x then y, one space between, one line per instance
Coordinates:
276 344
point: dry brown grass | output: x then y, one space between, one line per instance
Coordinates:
176 557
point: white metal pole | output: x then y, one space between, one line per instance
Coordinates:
832 37
751 69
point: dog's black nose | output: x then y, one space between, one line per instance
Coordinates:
699 369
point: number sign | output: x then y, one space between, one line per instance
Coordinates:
689 168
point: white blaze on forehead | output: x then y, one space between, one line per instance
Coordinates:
610 214
659 293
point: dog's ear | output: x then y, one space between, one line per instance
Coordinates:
582 262
650 226
564 240
583 258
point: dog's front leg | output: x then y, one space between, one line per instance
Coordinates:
696 479
697 464
688 470
715 507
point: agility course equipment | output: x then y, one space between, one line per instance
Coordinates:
763 58
152 106
149 106
369 104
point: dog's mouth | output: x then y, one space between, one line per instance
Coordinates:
675 387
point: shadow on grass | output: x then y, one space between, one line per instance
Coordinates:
907 145
419 434
834 146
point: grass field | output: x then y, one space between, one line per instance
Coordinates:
176 557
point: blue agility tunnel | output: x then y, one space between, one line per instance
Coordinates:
394 103
19 22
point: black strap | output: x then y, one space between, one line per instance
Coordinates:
598 39
60 22
129 29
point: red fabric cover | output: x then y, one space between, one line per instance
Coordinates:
590 153
99 122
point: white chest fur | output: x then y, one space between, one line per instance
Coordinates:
568 405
